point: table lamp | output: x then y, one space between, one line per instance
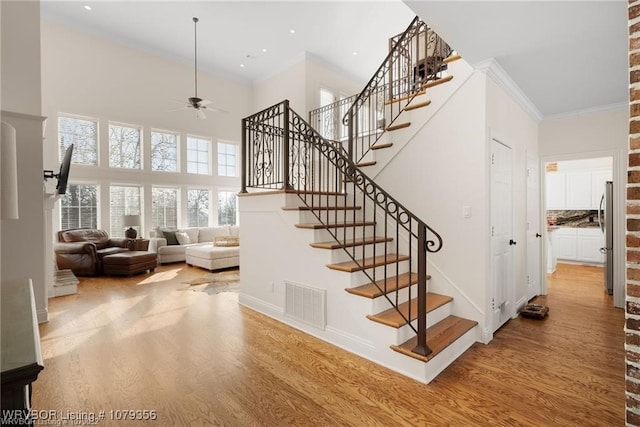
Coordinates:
131 221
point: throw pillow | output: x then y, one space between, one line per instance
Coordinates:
170 235
183 238
226 241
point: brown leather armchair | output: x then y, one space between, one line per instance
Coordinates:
81 250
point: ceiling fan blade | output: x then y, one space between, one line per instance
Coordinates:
217 110
200 114
180 108
205 102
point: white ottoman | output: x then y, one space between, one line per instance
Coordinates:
213 257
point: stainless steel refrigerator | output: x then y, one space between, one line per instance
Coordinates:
605 218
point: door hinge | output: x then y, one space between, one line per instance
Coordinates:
493 304
493 159
492 229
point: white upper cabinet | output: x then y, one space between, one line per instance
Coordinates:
578 187
575 190
556 191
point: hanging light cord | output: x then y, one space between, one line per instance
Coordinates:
195 36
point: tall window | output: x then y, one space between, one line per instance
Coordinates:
79 207
83 134
165 207
198 155
198 207
164 151
226 159
124 147
227 208
125 200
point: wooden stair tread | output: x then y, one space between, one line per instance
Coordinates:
398 126
439 337
392 318
352 266
381 146
318 226
321 208
370 290
363 164
432 83
351 243
451 58
416 106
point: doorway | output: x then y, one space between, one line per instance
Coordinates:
501 233
574 214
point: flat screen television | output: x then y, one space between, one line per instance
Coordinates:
63 175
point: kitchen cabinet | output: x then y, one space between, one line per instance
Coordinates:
575 190
578 244
565 243
589 243
556 191
578 190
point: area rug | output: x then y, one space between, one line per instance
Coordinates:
216 283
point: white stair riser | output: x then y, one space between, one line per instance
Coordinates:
380 303
331 216
293 200
322 235
359 278
358 252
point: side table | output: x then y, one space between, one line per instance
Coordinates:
139 245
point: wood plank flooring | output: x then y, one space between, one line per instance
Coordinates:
153 342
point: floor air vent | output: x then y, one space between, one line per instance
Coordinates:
306 304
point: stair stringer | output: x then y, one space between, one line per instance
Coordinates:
278 252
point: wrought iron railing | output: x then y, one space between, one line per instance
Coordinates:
280 150
415 57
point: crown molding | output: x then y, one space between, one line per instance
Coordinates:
492 69
587 111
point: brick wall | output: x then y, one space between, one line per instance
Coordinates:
632 324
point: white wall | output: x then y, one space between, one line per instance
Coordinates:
22 239
442 169
288 84
322 75
512 126
89 76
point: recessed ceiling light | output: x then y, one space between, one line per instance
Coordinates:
355 53
241 65
264 50
87 7
292 31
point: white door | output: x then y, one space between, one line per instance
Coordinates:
501 232
534 232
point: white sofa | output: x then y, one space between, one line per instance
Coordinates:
196 247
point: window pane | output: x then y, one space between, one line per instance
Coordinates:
226 159
226 208
198 207
164 152
165 207
79 207
124 147
125 200
198 155
84 135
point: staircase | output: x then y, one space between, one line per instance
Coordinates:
373 246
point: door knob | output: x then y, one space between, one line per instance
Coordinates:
538 235
512 242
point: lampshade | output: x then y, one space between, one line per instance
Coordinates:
8 173
131 220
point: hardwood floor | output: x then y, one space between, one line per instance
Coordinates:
152 342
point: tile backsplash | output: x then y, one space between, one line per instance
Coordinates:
566 218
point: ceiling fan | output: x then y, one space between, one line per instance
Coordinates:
195 102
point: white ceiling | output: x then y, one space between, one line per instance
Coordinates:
566 56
